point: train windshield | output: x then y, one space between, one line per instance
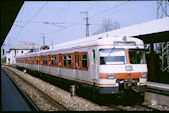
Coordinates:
137 56
112 56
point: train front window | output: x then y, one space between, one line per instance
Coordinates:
112 56
137 56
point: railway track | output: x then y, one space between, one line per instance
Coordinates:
32 106
133 108
122 107
49 102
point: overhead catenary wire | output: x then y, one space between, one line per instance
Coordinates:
72 24
31 19
114 11
36 13
60 11
107 10
92 16
66 13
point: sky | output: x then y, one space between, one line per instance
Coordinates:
62 21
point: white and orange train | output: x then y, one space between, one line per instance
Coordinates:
109 64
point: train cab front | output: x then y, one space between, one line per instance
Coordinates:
122 69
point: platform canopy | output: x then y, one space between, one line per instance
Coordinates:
152 31
9 10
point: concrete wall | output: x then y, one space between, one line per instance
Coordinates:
156 99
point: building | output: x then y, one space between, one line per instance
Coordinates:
19 49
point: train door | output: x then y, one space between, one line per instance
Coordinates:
49 63
93 65
76 65
60 65
40 57
38 63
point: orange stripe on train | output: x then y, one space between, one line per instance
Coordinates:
122 75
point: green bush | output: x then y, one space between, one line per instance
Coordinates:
3 60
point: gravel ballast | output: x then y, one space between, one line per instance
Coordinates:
73 103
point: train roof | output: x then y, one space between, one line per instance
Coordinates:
93 40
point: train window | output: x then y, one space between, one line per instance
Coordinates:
36 60
55 63
112 56
69 60
28 60
32 60
93 56
120 43
52 58
46 60
84 60
42 58
60 61
64 60
137 56
40 62
49 60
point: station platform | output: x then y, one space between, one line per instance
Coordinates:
161 86
158 88
11 98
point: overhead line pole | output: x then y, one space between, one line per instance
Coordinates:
163 46
43 36
87 23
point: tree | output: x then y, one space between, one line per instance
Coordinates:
107 25
3 60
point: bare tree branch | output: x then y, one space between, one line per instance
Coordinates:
107 25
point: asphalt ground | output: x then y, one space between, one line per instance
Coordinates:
11 98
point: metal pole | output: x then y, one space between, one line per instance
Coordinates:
87 23
152 62
52 44
43 39
72 90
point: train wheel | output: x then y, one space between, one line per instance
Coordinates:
100 99
140 98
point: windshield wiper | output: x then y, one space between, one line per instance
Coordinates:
110 52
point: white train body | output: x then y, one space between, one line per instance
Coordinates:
110 64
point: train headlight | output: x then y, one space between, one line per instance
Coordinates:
110 76
128 68
143 75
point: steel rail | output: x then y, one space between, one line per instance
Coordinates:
122 108
61 106
157 91
32 105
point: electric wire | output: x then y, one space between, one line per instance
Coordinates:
92 16
72 24
114 11
66 13
107 10
31 19
60 11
